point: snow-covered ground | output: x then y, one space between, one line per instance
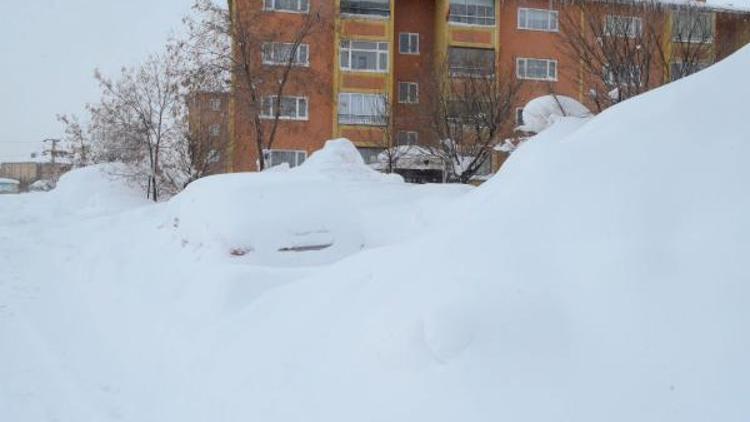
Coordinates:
110 307
602 275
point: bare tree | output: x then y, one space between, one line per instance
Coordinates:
205 48
205 146
691 46
263 59
622 45
393 149
469 107
617 44
77 140
143 109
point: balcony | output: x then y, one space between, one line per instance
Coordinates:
361 120
375 8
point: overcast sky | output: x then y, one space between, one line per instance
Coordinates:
50 48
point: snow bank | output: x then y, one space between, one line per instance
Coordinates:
540 113
330 207
95 190
601 276
274 218
340 160
80 193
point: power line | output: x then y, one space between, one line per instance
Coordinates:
20 142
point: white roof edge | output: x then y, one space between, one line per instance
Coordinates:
727 8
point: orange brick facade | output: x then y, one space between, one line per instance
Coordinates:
326 79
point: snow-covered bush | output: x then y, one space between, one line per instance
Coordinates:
541 112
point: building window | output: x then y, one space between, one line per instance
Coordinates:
408 43
215 104
692 27
365 56
366 7
214 130
280 54
300 6
275 157
623 26
536 69
678 70
538 19
471 61
370 155
408 93
407 137
626 75
519 116
291 108
362 109
474 12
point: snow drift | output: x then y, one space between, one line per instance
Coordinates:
601 275
542 112
330 207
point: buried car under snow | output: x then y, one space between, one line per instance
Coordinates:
280 217
9 186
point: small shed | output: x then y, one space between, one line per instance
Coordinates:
9 186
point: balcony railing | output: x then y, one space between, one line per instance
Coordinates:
375 8
361 120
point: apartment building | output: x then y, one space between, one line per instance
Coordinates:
208 121
375 55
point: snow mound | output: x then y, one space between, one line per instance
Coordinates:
94 190
602 275
274 218
340 160
540 113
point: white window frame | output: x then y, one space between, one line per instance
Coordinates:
215 104
457 19
300 156
407 134
214 131
377 118
408 86
413 39
299 100
524 11
677 15
381 55
522 63
635 27
271 6
369 13
282 61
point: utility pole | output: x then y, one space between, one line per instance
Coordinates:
52 152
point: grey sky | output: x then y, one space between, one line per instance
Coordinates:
49 49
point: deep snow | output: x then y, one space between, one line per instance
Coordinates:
602 275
